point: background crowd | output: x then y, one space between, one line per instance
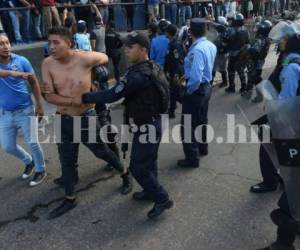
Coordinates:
28 20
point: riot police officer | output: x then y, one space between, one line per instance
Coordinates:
284 217
258 52
173 67
113 44
238 42
222 50
198 66
146 93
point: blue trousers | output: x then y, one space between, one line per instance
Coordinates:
195 105
143 163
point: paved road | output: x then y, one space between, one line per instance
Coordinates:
213 207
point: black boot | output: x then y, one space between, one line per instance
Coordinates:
127 183
66 206
113 147
159 208
231 88
224 79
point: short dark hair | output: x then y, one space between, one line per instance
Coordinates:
61 31
293 44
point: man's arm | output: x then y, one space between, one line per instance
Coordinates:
120 90
93 58
49 90
290 81
5 73
35 86
25 3
197 69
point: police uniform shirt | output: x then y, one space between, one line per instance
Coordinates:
199 63
290 77
122 89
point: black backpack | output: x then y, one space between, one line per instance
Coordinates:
161 83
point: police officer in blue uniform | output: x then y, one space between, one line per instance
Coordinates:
198 66
173 67
146 93
290 79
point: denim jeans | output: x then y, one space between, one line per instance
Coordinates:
171 13
37 26
104 13
185 12
10 122
26 25
16 25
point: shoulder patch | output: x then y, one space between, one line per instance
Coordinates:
119 88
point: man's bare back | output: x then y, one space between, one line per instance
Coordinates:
64 81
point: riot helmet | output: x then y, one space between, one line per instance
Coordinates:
163 25
238 20
264 28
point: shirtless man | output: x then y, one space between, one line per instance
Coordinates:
66 75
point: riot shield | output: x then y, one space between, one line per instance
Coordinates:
284 28
284 120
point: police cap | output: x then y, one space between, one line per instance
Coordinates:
137 37
198 24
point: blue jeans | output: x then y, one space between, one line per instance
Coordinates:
185 13
26 24
10 122
104 13
37 26
171 13
16 25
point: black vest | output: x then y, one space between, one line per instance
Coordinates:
148 102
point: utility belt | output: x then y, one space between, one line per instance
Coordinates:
199 90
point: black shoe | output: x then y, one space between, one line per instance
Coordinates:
63 208
159 208
38 178
142 196
127 184
108 168
188 163
203 151
28 171
230 89
59 181
263 188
